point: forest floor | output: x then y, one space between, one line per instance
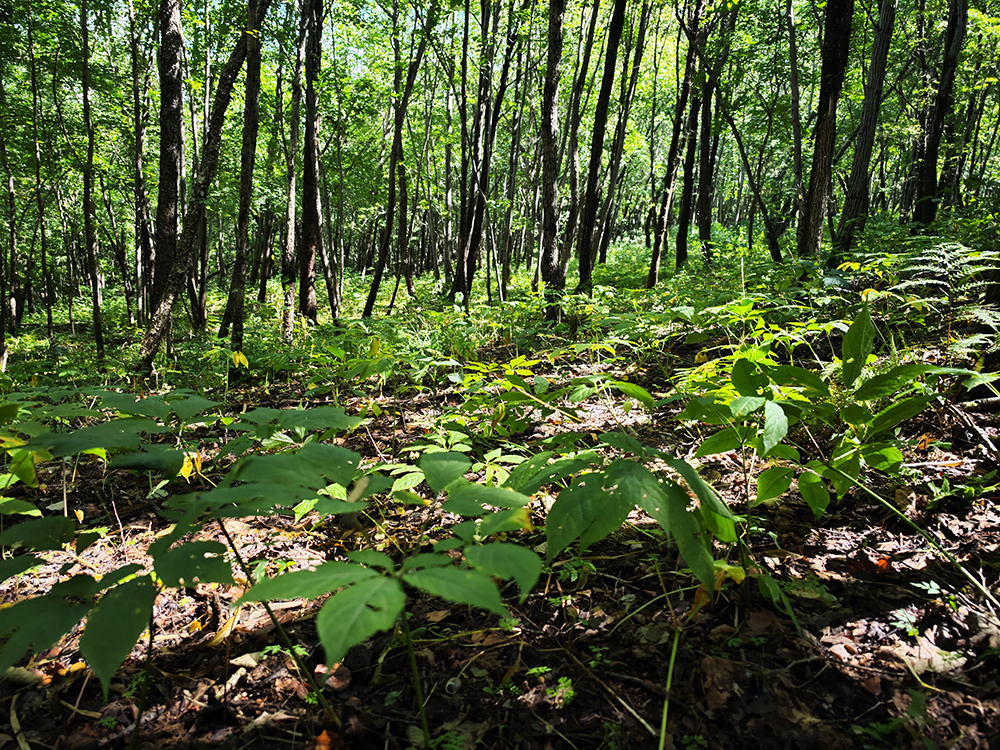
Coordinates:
884 646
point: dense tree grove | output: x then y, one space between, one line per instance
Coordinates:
162 149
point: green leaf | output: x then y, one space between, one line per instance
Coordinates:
40 534
317 418
573 511
195 562
517 519
126 403
118 434
372 558
899 412
507 561
357 613
882 457
14 566
747 378
793 376
114 626
36 623
441 469
717 514
773 483
623 442
11 506
309 584
458 586
408 481
744 405
500 497
814 492
528 476
890 383
725 440
632 390
775 426
189 405
857 346
151 458
692 540
856 415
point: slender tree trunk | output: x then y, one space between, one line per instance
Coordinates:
234 314
585 250
836 46
856 201
312 235
554 262
39 191
171 144
196 203
89 212
288 254
926 199
143 235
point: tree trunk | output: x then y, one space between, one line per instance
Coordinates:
585 250
196 203
312 234
39 192
553 263
234 314
856 200
836 46
89 212
143 235
926 198
288 254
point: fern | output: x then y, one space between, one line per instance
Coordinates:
949 280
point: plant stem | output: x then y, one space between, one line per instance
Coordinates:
143 689
666 698
283 635
417 688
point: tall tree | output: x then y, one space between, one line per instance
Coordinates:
554 264
39 191
926 200
143 235
312 234
178 273
234 313
585 250
171 146
89 212
856 200
836 46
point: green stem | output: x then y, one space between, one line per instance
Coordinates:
930 540
143 689
670 680
307 675
418 689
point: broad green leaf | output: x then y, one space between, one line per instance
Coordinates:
195 562
372 558
899 412
500 497
9 412
528 477
188 406
637 392
507 561
40 534
848 460
118 434
517 519
623 442
747 378
814 492
573 511
426 560
725 440
716 513
309 584
458 586
408 481
785 451
856 415
625 484
14 566
882 457
890 383
23 461
36 623
798 377
317 418
773 483
692 540
126 403
114 626
775 426
359 612
744 405
12 506
857 346
151 458
463 505
441 469
705 409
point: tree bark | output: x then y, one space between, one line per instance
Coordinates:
89 212
553 263
288 255
856 200
196 203
585 250
836 46
312 235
